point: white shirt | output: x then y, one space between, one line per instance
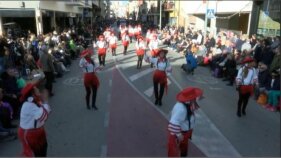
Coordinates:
113 40
140 45
125 38
252 77
101 44
153 44
179 121
87 67
199 39
131 30
161 65
32 116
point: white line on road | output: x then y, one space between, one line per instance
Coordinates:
103 151
106 119
140 74
149 91
110 83
108 98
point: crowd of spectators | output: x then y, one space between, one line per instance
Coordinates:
31 59
225 52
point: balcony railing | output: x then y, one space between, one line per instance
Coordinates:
169 6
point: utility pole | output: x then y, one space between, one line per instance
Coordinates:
206 19
160 14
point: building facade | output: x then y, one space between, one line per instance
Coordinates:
44 16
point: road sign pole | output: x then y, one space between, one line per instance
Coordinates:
160 15
206 19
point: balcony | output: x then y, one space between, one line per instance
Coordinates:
169 6
78 3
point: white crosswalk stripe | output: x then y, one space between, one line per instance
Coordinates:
149 91
140 74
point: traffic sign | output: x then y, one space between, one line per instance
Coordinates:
210 13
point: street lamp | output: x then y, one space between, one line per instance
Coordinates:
160 15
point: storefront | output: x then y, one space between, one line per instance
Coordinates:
268 24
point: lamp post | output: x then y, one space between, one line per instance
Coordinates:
206 19
160 15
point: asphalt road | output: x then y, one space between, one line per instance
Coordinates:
128 124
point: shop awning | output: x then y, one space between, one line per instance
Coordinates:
17 13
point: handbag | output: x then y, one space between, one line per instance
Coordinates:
262 99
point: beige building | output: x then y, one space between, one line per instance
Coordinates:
42 16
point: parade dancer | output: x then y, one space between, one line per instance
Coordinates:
125 42
160 74
34 112
123 29
91 81
131 33
140 50
246 80
106 35
137 31
153 47
113 43
101 46
182 121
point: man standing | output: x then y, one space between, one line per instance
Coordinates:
182 121
46 62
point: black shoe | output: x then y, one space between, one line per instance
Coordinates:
160 103
239 114
95 107
243 112
156 102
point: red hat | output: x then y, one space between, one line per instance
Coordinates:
26 90
140 37
247 60
85 52
189 94
162 50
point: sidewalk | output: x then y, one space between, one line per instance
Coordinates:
135 128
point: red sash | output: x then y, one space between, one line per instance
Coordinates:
102 51
113 46
90 79
140 51
161 78
244 89
125 43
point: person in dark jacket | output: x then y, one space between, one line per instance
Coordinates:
274 91
267 53
258 51
230 68
263 76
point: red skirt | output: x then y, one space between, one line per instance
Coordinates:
131 34
90 79
125 43
244 89
113 46
140 51
34 142
102 51
160 77
175 148
154 52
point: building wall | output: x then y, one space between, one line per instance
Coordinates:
18 4
59 6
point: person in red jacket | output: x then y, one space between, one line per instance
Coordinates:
101 47
182 121
125 42
140 50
